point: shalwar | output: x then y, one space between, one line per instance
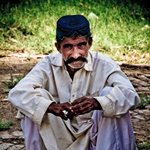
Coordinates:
50 82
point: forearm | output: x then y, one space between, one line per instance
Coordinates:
31 102
118 101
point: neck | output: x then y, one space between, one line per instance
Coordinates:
71 71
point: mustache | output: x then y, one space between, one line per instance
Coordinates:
71 59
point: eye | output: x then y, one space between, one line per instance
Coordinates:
82 45
67 46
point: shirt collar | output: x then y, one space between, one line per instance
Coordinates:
57 60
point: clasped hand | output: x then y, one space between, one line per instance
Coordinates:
79 106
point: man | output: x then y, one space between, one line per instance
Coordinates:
75 99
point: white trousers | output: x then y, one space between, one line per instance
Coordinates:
105 133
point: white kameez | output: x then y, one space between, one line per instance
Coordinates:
49 81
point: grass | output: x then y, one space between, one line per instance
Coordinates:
145 100
144 146
120 28
5 125
13 81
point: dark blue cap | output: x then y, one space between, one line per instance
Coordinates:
72 26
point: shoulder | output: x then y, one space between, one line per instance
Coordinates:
52 58
48 61
103 59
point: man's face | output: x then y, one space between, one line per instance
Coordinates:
74 51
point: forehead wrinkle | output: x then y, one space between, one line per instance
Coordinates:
74 41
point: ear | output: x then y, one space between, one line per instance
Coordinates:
90 40
57 45
89 44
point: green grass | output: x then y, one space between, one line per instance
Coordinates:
13 81
5 124
145 100
118 27
144 146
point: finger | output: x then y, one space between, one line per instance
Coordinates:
76 107
67 114
84 104
78 101
70 115
68 108
88 105
82 100
63 115
83 109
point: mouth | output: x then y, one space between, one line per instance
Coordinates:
70 60
76 63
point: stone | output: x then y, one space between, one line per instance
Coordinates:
5 100
139 117
4 135
16 147
147 107
18 134
140 112
5 146
135 120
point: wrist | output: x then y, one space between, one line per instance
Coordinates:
50 107
97 105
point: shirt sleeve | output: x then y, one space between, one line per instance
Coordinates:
121 98
29 96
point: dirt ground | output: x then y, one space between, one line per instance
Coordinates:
11 68
19 64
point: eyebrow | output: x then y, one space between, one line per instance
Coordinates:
84 43
68 44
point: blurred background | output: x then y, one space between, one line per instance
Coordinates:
120 28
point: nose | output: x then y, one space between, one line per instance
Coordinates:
75 52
